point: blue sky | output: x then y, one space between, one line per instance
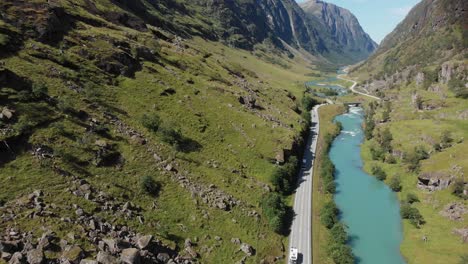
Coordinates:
377 17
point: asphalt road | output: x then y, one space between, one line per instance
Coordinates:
301 229
354 86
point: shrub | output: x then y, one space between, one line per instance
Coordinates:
339 234
308 102
412 214
413 158
395 184
369 128
457 86
151 121
412 198
385 139
341 254
150 186
463 259
171 136
274 210
377 153
458 188
378 172
39 90
329 214
280 181
446 139
390 159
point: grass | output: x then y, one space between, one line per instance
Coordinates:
241 142
412 128
320 234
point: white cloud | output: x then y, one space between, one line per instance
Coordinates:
400 11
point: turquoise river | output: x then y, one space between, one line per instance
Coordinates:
368 207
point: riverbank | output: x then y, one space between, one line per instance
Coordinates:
320 234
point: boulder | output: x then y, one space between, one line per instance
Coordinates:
130 256
144 241
434 181
17 258
35 256
419 78
247 249
88 261
163 257
73 254
105 258
236 241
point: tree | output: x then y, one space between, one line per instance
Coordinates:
412 214
280 180
378 172
369 128
412 198
386 112
274 210
395 183
412 158
341 254
308 102
329 214
385 140
339 234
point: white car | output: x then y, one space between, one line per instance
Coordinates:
293 253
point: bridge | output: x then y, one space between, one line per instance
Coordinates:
352 103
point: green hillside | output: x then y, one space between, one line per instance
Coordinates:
421 71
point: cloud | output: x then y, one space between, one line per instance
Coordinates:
400 11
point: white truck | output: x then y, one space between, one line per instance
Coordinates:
293 255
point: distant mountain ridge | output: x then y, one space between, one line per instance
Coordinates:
343 28
335 35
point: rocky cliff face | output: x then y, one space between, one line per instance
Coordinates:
343 28
337 35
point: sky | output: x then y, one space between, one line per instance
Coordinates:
377 17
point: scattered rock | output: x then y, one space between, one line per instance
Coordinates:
105 258
130 256
247 249
35 256
463 233
454 211
144 241
88 261
236 241
73 254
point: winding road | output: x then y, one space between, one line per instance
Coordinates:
354 86
301 229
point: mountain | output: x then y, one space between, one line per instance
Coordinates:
246 23
152 131
343 28
433 32
420 70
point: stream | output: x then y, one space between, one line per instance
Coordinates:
368 207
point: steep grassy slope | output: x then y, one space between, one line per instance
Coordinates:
128 128
421 71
